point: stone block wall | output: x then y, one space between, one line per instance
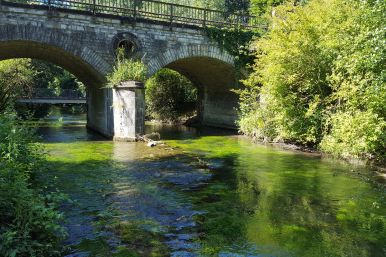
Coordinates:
85 45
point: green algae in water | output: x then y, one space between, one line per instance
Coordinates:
258 200
144 242
285 203
86 171
100 248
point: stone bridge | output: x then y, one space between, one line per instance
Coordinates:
84 42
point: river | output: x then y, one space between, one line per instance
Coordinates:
208 192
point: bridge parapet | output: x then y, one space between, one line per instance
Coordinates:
147 10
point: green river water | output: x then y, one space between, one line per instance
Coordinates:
207 192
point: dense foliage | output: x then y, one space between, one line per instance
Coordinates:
127 70
261 7
228 6
320 78
16 79
20 77
29 222
169 95
235 41
55 79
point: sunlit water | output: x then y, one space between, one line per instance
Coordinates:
209 193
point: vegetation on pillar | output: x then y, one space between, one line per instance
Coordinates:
319 78
169 95
127 69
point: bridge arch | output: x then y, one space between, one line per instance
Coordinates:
53 45
213 73
66 51
188 51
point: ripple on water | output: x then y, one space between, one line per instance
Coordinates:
249 200
151 198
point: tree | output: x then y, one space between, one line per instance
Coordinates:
237 6
260 7
169 95
319 78
16 79
19 78
55 79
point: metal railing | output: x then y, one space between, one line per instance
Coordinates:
149 10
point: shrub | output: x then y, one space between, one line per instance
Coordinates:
169 95
29 222
126 70
16 79
318 64
19 77
358 134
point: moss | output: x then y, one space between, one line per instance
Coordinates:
146 243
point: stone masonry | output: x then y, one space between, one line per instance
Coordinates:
85 45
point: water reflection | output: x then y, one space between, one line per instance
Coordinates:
208 195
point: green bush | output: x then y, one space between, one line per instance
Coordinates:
16 79
169 95
318 64
19 78
359 134
55 79
127 70
29 221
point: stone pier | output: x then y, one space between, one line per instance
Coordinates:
129 110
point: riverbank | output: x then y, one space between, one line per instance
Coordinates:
378 168
30 222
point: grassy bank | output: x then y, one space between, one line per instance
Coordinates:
29 219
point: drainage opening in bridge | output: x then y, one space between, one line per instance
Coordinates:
42 90
171 98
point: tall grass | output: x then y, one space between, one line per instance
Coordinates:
29 220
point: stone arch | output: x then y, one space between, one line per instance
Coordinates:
55 46
188 51
65 50
213 72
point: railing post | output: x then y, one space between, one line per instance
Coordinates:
171 15
94 7
205 13
135 10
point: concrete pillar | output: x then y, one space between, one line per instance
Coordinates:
128 110
99 113
220 108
